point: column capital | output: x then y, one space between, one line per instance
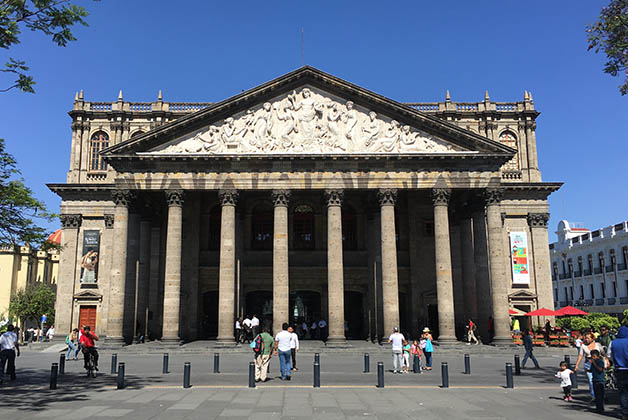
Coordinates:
441 196
538 220
493 196
334 197
122 197
280 198
387 196
71 221
109 218
228 197
174 197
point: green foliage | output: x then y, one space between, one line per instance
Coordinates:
624 321
610 34
580 324
54 18
18 207
594 320
32 302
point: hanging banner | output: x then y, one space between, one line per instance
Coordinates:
519 255
89 260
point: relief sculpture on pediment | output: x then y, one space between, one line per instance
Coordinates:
306 122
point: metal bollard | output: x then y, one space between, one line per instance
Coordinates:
61 364
53 375
517 365
444 370
164 368
509 381
114 363
416 364
367 363
467 364
574 379
121 375
317 375
216 362
251 374
317 358
568 361
380 374
186 374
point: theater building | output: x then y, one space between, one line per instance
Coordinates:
304 198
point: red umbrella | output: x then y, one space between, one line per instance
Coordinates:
542 312
512 312
570 310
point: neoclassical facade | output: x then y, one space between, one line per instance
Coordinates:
304 198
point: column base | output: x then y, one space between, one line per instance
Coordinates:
225 341
171 340
446 339
339 341
505 340
115 341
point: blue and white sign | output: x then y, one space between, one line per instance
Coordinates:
43 319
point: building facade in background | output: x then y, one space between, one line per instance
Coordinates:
304 198
589 269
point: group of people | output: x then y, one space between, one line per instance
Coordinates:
403 352
246 329
285 345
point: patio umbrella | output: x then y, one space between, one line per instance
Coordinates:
542 312
517 312
570 310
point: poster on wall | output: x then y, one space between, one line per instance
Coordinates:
89 260
519 255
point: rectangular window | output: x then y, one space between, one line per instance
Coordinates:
556 293
614 289
592 291
566 295
581 292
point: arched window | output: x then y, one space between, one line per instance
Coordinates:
137 133
508 138
349 229
214 229
99 141
262 227
303 227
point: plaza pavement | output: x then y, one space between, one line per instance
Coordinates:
345 393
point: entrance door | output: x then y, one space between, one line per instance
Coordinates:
354 316
87 316
260 304
210 315
305 306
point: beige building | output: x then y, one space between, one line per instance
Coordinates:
304 198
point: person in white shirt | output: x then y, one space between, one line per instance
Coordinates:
282 348
50 333
8 348
398 341
294 347
238 331
247 324
565 380
255 325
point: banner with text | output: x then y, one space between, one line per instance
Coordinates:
519 254
89 260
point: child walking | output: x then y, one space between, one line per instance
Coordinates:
406 358
599 379
565 380
416 349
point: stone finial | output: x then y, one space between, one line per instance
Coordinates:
76 97
120 95
530 96
486 97
159 96
525 95
447 96
81 95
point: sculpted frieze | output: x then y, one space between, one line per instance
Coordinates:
306 121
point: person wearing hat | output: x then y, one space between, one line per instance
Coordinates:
398 341
426 345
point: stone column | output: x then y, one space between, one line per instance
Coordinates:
71 224
226 271
499 283
154 326
468 269
542 262
335 267
115 323
390 282
444 282
482 282
144 272
281 280
172 281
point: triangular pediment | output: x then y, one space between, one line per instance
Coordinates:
308 112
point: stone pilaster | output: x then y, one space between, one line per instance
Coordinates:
172 282
468 269
281 279
444 281
335 267
70 223
143 277
542 262
482 282
499 283
115 323
533 160
390 281
154 325
226 271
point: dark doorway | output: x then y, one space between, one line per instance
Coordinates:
210 315
354 315
404 325
260 304
305 306
432 320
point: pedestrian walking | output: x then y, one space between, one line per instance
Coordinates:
238 330
529 347
427 347
248 329
9 349
263 355
71 340
415 349
471 332
588 345
565 380
618 353
282 349
294 347
398 341
50 334
255 325
515 326
406 357
599 379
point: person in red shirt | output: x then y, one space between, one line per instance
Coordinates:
87 346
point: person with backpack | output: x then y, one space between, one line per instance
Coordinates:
71 340
262 346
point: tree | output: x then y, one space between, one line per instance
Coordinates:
610 34
31 303
54 18
18 207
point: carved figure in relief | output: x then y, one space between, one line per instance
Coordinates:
262 127
334 116
231 134
211 142
309 110
289 126
350 118
390 141
371 129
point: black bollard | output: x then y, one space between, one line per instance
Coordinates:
467 364
380 374
216 362
114 363
121 375
251 374
186 374
509 381
61 364
164 368
517 365
568 361
574 379
317 375
317 358
367 363
53 375
416 364
444 370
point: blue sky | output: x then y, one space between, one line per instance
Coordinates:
408 51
